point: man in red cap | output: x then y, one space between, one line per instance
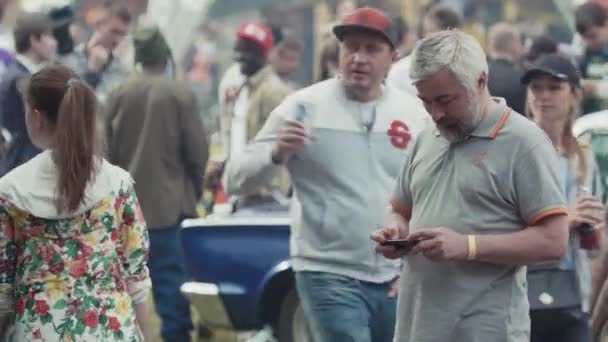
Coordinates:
246 106
342 141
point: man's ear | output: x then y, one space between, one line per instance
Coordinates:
394 58
482 82
395 55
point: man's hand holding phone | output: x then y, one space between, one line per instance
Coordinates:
390 240
441 244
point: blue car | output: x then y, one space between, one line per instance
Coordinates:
240 273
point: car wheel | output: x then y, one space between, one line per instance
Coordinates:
292 325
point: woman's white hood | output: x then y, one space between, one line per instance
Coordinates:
32 187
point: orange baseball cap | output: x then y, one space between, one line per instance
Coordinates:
368 19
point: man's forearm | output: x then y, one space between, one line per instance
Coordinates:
544 242
249 171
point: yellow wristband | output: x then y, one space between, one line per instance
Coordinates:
472 247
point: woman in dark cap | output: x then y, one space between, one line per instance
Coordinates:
559 293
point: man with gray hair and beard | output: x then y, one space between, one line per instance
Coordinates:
481 197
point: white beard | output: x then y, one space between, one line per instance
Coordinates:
463 129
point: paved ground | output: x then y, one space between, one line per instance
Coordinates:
219 336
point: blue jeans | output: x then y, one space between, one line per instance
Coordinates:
167 274
344 309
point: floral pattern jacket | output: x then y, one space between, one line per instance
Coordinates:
73 277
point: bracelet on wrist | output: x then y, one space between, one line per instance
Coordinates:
472 239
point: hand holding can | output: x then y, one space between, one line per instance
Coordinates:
303 116
588 215
293 137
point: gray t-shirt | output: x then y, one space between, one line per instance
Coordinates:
501 179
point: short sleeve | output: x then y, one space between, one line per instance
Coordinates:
401 200
136 243
538 189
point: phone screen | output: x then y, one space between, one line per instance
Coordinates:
403 244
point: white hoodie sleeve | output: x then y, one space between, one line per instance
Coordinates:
253 168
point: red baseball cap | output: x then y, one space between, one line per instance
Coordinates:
368 19
258 33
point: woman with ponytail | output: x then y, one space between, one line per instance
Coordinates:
560 293
73 242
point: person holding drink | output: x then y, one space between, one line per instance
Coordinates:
342 141
553 101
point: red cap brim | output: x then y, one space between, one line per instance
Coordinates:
341 30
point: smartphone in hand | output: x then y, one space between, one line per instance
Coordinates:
302 114
403 245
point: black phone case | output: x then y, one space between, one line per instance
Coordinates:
401 244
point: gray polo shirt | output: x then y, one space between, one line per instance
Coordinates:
501 179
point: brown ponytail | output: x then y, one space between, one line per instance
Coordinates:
70 107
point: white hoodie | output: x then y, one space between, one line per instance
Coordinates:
31 187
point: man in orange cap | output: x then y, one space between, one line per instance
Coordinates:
342 141
246 106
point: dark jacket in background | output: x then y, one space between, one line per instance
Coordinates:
594 66
504 80
155 132
12 117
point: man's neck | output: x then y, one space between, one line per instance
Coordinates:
256 72
363 95
487 104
